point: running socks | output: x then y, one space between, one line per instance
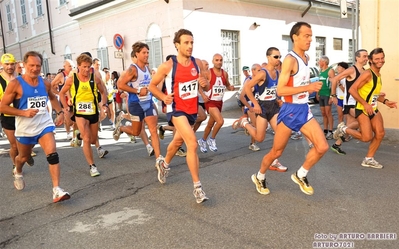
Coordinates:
302 172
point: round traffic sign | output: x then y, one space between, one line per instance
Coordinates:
118 41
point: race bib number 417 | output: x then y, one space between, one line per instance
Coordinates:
188 90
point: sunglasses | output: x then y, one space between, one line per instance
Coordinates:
276 56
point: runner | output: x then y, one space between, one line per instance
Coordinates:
294 86
184 74
33 123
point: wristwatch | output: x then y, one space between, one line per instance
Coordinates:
139 90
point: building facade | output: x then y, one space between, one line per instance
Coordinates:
240 30
380 28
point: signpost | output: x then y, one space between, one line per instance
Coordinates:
118 43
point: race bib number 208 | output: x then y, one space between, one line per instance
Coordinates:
38 103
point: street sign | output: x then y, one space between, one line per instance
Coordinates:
118 41
118 55
344 9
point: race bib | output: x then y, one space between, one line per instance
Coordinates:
38 103
188 90
374 101
218 92
145 97
268 94
85 107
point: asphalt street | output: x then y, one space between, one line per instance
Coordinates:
126 207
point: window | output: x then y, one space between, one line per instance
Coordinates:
39 7
45 65
102 52
230 55
23 12
320 47
337 43
62 2
350 51
155 57
287 44
8 10
67 54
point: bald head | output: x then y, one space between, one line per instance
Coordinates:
255 69
217 61
68 65
205 64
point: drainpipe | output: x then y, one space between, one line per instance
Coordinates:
49 27
2 34
307 9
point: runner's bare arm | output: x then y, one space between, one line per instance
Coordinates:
203 77
14 91
158 78
125 78
65 91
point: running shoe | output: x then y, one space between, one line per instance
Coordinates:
162 170
212 144
337 149
30 161
150 150
339 131
32 154
202 145
371 163
296 136
101 152
19 183
236 124
60 195
260 185
78 142
133 139
303 184
180 152
161 132
117 131
254 147
329 135
346 138
199 195
69 136
94 171
277 166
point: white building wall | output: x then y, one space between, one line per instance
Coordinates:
254 43
132 20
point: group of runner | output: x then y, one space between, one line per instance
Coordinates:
178 83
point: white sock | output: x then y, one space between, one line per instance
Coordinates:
197 184
261 176
302 172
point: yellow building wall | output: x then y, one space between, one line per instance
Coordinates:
379 26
